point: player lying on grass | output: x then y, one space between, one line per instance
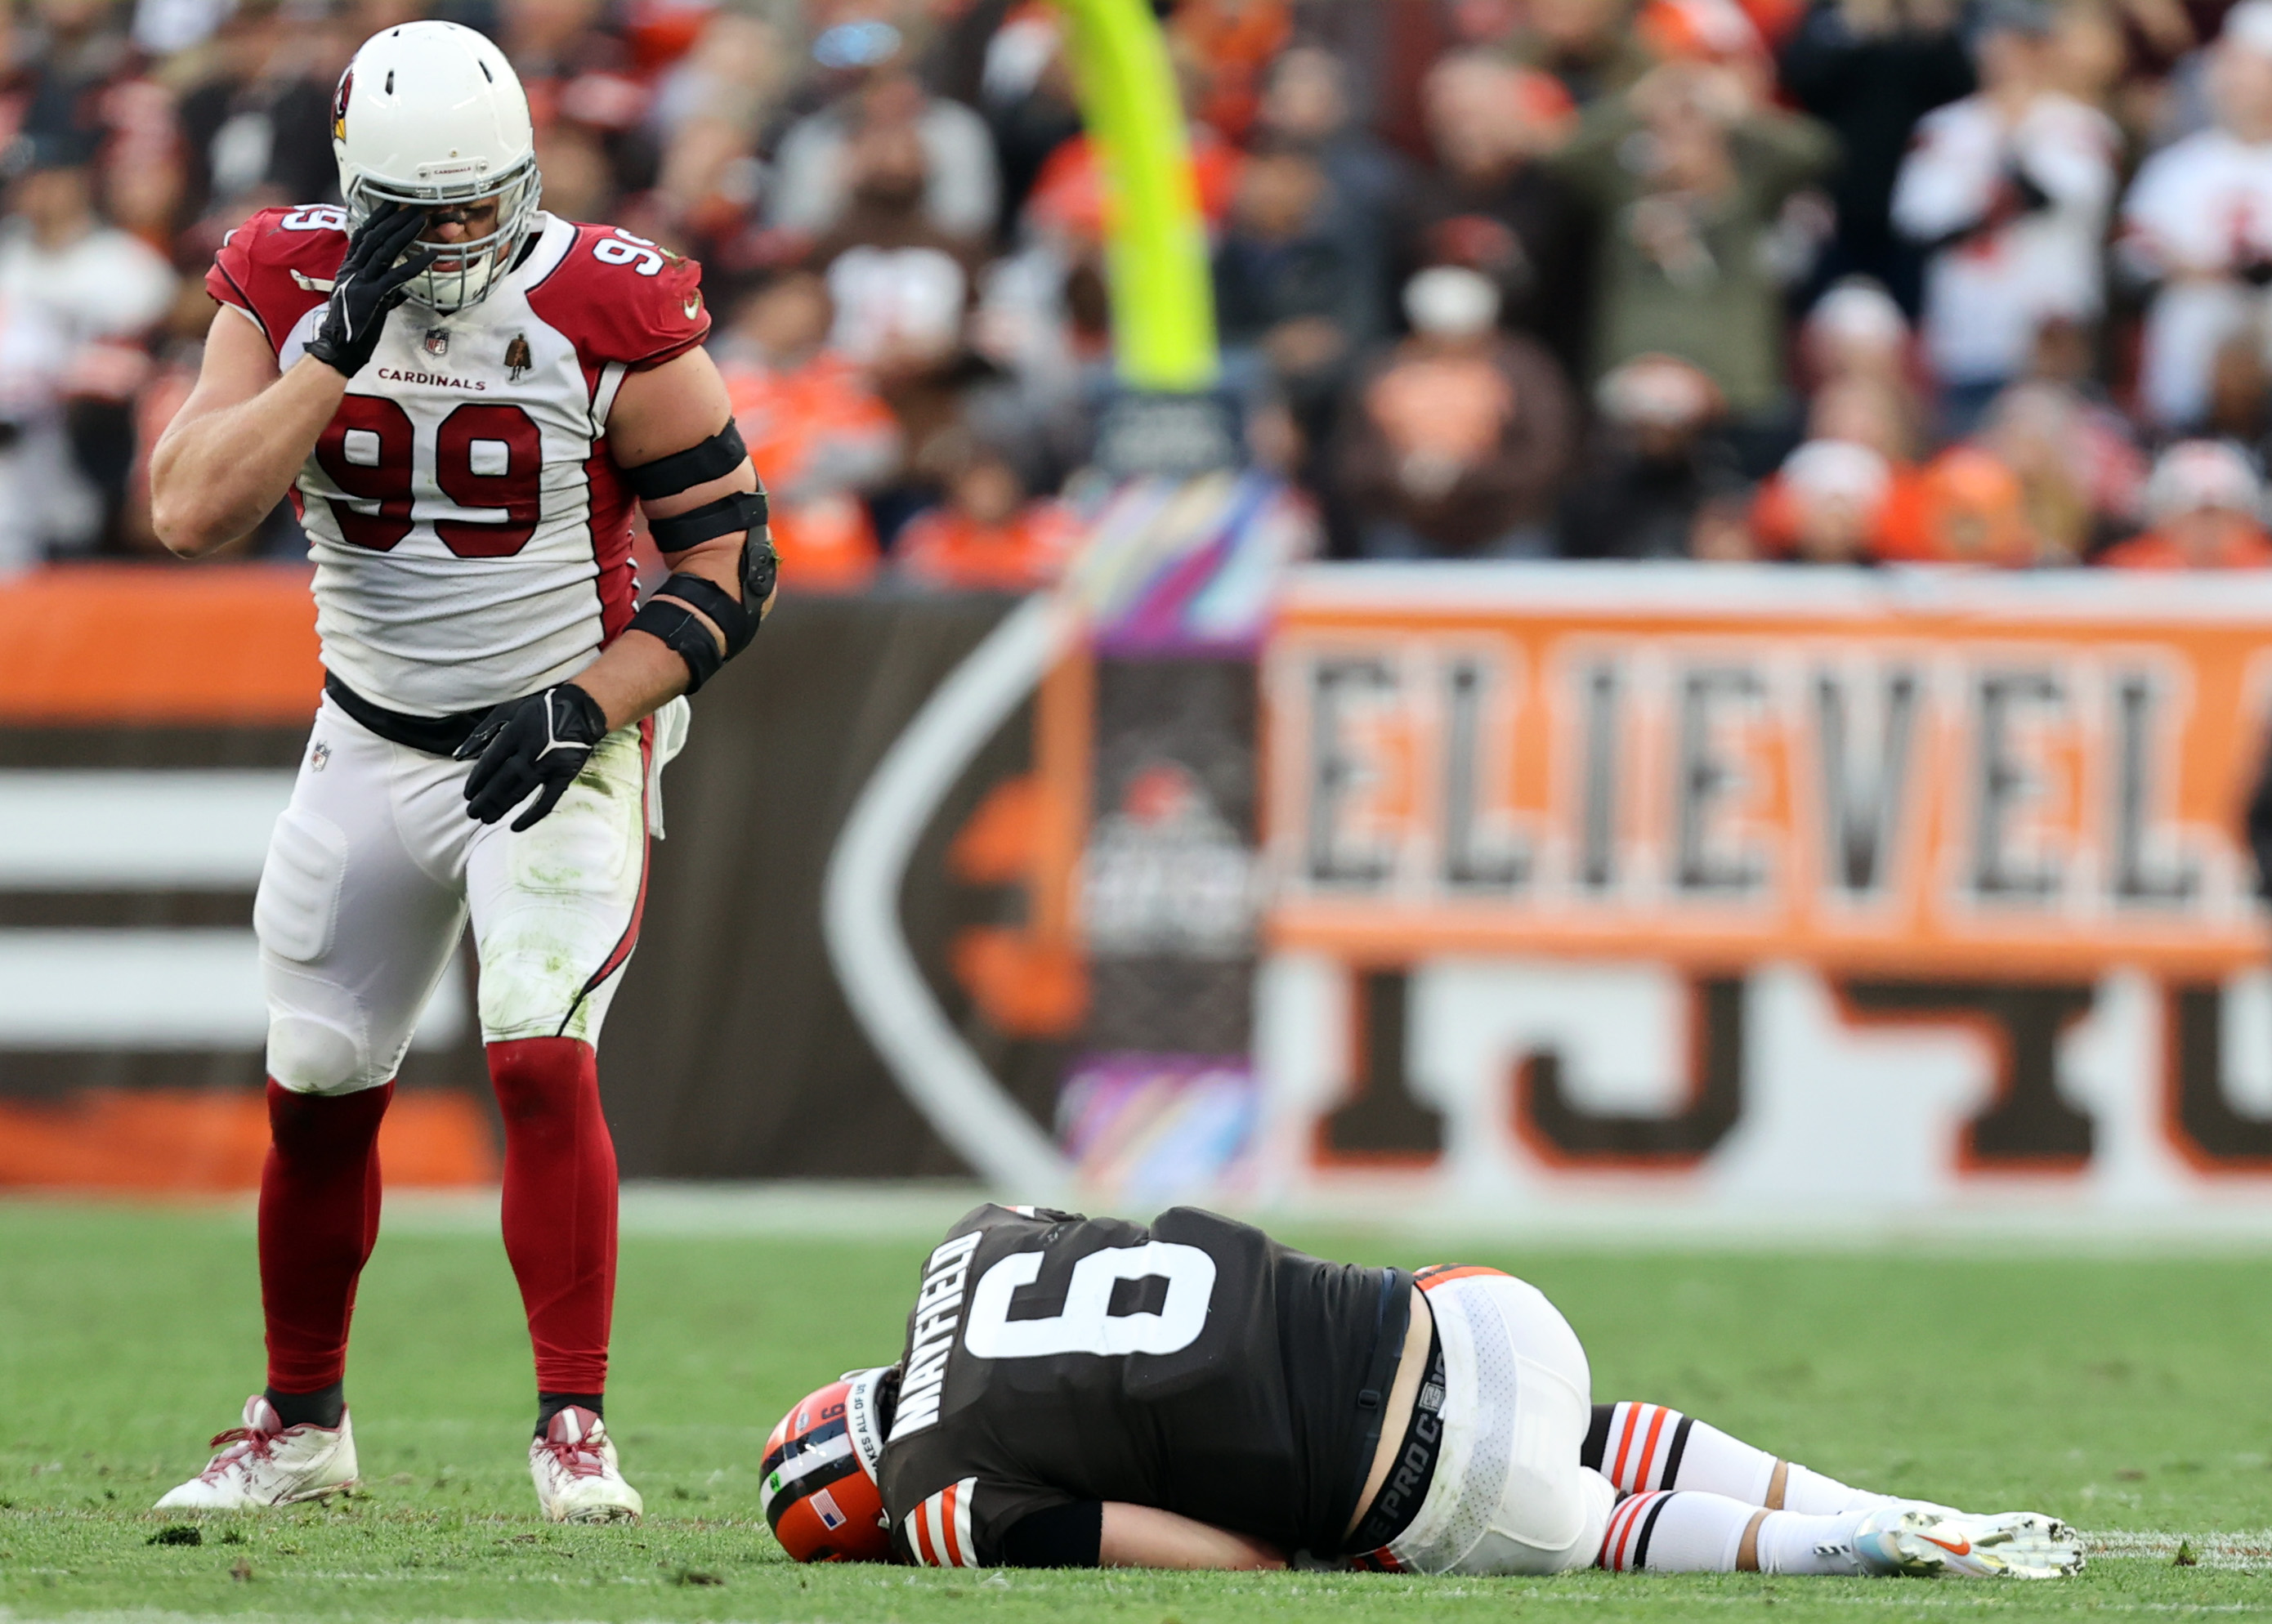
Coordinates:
1081 1392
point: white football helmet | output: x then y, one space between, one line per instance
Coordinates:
431 115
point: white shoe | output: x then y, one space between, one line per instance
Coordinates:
574 1465
268 1463
1936 1543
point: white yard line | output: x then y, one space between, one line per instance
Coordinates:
2245 1548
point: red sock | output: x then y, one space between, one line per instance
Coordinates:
320 1195
559 1205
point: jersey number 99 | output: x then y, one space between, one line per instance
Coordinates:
1086 1324
486 455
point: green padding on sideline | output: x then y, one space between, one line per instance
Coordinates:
1156 248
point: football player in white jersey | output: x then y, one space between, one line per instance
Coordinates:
462 395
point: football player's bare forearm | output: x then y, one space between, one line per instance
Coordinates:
213 477
1147 1536
636 674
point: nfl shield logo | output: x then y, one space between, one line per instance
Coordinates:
437 341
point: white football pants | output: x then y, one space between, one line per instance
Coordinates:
375 867
1509 1494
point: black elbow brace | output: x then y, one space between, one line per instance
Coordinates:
743 510
667 615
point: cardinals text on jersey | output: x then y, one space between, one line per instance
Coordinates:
471 534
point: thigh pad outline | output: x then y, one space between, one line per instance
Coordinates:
296 910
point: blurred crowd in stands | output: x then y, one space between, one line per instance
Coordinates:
1847 280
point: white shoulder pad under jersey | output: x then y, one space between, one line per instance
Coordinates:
470 532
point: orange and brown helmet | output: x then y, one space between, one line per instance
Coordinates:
821 1464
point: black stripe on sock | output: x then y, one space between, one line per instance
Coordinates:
1671 1479
1647 1527
1597 1447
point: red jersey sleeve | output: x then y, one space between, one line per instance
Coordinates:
279 265
623 300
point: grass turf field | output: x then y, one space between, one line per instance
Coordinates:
2128 1395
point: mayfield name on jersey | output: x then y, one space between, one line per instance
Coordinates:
470 532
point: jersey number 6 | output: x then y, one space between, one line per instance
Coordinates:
1086 1323
486 455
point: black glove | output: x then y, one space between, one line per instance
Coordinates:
540 743
370 283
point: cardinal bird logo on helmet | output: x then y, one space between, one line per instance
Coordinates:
340 106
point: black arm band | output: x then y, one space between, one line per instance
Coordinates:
688 637
739 624
740 512
1056 1537
666 476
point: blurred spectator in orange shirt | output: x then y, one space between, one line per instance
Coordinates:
1069 199
818 434
2207 505
1828 503
1970 508
1233 42
2079 476
1858 412
987 536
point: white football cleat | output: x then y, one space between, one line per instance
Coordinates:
265 1463
1930 1543
574 1465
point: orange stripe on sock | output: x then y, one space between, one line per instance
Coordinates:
1602 1559
1648 1447
1625 1444
1631 1524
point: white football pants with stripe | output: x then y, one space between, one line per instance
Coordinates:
375 868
